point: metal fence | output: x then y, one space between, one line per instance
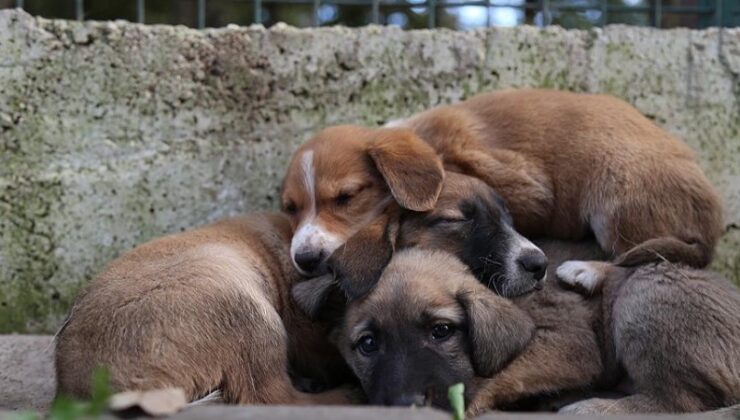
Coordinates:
456 14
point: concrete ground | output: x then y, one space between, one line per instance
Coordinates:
27 382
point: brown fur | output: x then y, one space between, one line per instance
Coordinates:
419 290
201 310
357 173
469 221
674 330
570 348
571 163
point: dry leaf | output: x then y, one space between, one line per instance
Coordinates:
159 402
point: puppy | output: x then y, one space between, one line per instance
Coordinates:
469 220
675 331
201 310
429 324
342 179
566 164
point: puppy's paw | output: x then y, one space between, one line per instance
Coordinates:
475 410
591 406
583 274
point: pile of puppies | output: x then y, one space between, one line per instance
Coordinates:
401 262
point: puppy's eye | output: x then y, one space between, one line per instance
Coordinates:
367 345
437 221
342 199
290 208
442 332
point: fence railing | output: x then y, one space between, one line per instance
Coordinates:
434 13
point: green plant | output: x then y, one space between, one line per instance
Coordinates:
457 401
67 408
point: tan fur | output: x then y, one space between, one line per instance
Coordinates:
368 165
674 330
201 310
568 163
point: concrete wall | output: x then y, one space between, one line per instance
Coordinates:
112 133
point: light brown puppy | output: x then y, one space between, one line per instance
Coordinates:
565 163
429 324
202 310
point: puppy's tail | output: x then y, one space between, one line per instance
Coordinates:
667 248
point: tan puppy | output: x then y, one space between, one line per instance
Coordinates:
429 324
565 163
201 310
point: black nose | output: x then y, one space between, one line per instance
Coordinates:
534 262
309 261
406 400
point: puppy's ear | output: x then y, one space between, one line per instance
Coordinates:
410 167
311 295
358 264
498 330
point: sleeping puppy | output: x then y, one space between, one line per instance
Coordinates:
566 164
345 177
201 310
429 324
675 331
469 219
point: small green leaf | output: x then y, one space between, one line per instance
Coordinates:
66 408
100 392
457 401
25 415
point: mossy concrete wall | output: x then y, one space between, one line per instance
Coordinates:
113 133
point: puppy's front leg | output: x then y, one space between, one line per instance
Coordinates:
556 359
587 275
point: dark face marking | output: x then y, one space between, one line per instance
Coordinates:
408 356
472 222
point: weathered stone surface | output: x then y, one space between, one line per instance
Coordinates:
112 133
27 379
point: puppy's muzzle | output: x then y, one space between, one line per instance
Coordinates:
533 262
309 260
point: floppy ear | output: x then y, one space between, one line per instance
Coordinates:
359 263
311 295
498 330
410 167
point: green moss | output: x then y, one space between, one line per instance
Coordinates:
28 247
727 258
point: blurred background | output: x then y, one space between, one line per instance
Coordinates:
408 14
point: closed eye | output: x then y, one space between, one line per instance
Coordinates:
343 199
290 207
446 220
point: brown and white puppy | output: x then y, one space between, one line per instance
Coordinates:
202 310
345 177
565 163
429 324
